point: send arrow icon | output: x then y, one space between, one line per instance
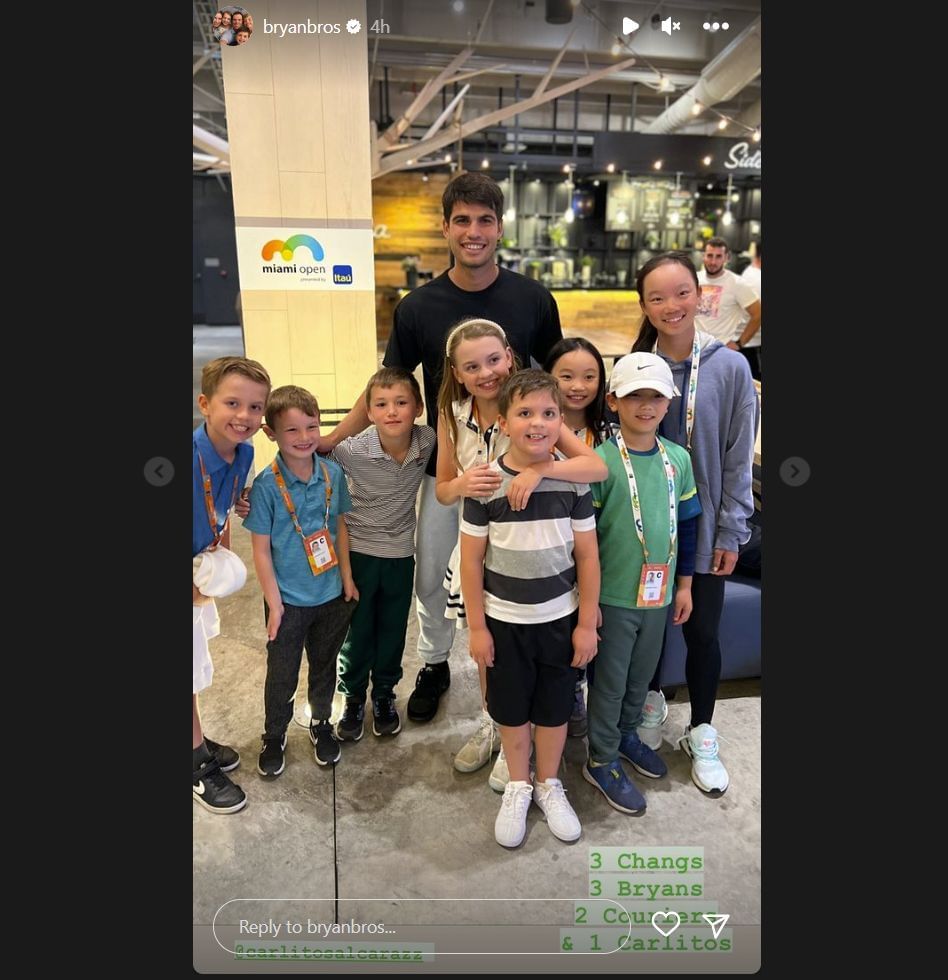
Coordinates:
717 922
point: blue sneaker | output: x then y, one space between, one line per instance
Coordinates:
615 786
643 759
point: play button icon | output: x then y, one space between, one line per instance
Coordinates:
629 25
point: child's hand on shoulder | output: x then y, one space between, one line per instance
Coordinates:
479 481
521 488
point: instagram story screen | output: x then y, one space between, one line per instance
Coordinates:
477 661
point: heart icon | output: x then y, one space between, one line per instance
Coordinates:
660 917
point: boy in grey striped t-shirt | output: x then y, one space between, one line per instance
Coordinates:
384 466
530 580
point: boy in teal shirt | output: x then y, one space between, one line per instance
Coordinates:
646 521
301 555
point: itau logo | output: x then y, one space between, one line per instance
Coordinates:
287 248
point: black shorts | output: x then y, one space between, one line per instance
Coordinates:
532 679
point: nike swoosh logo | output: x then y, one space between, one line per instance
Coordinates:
200 787
642 367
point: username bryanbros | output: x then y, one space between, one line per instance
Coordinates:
272 27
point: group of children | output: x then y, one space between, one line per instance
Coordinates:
576 534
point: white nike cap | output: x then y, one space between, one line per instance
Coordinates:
642 370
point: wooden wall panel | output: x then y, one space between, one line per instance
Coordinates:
613 314
251 131
310 332
298 117
344 90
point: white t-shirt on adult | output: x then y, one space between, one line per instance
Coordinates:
752 275
722 310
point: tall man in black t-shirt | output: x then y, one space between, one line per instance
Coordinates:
475 286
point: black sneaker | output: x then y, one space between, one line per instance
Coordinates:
214 791
432 681
350 728
385 720
327 748
272 761
228 758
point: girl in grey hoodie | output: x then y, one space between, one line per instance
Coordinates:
716 419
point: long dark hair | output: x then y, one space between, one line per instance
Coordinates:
648 335
596 420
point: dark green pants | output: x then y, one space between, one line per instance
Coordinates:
376 638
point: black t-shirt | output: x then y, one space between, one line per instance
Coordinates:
423 319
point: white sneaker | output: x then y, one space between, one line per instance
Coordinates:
654 713
510 827
707 770
550 797
480 747
500 774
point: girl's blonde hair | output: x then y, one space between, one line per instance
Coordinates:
451 389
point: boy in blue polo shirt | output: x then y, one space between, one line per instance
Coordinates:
301 554
234 392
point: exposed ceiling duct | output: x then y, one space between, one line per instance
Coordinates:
748 119
735 67
215 148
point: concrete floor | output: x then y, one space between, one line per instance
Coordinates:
394 820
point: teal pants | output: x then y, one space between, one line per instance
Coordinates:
618 677
376 639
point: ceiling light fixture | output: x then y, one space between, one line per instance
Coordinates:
569 215
511 213
727 218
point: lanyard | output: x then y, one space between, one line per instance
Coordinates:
692 388
209 503
289 502
634 493
587 434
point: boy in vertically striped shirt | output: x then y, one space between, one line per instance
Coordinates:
384 466
530 579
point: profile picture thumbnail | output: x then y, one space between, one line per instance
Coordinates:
232 25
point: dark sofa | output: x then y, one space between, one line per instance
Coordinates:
739 635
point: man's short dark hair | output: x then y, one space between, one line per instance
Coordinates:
718 242
473 188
